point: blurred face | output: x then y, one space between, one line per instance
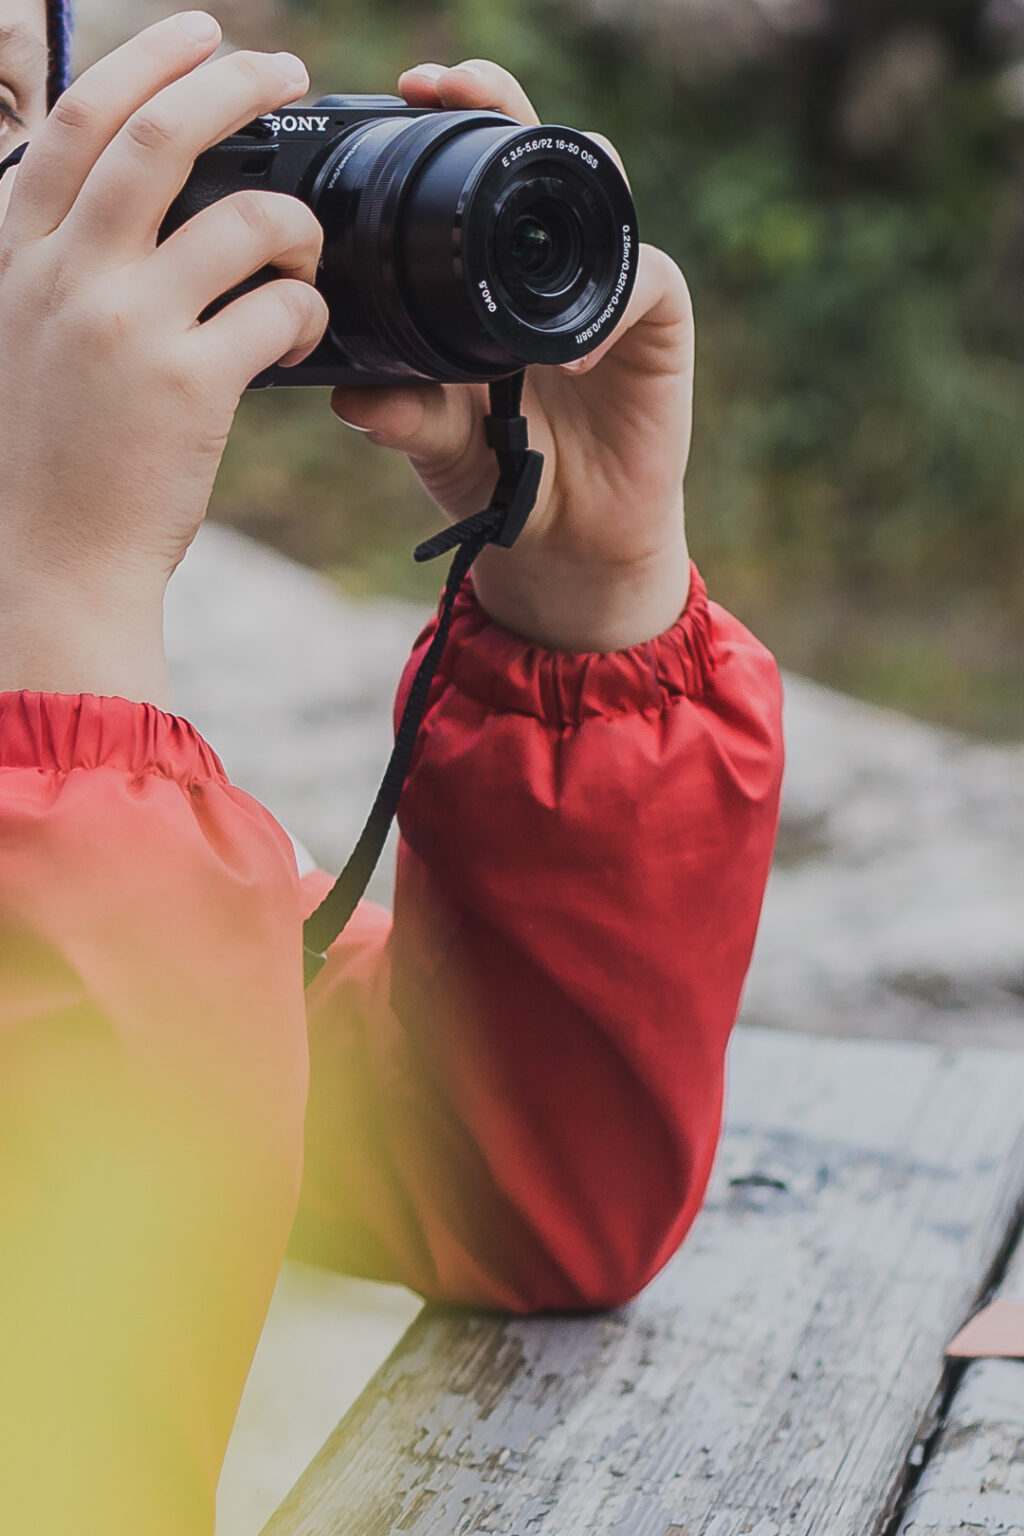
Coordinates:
23 69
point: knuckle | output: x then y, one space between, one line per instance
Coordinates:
485 70
307 218
279 221
76 111
102 325
299 302
254 211
151 130
254 68
54 293
309 230
305 309
157 44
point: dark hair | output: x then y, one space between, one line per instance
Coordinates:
59 21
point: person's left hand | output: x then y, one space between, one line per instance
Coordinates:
602 563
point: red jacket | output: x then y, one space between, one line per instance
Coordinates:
515 1087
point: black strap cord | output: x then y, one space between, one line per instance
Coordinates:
14 158
514 498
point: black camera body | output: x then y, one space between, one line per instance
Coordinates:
458 246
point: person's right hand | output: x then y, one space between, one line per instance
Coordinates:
115 402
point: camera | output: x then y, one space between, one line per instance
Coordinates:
459 247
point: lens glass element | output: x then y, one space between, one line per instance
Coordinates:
545 227
531 246
539 246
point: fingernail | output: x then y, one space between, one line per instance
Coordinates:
472 69
198 26
429 71
576 367
293 69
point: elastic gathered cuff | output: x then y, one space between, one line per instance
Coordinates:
61 732
517 676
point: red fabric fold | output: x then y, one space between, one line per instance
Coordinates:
511 675
59 732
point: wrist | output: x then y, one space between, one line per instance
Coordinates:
55 640
567 604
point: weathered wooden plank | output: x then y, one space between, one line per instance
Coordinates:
774 1377
973 1483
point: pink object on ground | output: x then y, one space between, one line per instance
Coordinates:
997 1331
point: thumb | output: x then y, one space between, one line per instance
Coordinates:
659 317
432 424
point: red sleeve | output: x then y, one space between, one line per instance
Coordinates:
153 1073
516 1093
517 1089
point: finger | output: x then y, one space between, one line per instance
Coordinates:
418 85
610 150
282 322
231 241
476 84
661 302
139 175
94 109
432 424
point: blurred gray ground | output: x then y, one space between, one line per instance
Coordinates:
896 907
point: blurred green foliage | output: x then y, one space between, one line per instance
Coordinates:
857 485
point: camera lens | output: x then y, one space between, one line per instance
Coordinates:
539 251
531 247
462 246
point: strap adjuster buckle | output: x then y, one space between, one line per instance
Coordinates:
516 497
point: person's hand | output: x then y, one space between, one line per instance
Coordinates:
115 402
602 563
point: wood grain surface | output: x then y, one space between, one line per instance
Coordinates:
775 1377
973 1483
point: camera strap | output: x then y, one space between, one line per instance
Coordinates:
515 496
14 158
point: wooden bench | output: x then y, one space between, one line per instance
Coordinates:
783 1376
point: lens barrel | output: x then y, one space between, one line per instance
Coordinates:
461 246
